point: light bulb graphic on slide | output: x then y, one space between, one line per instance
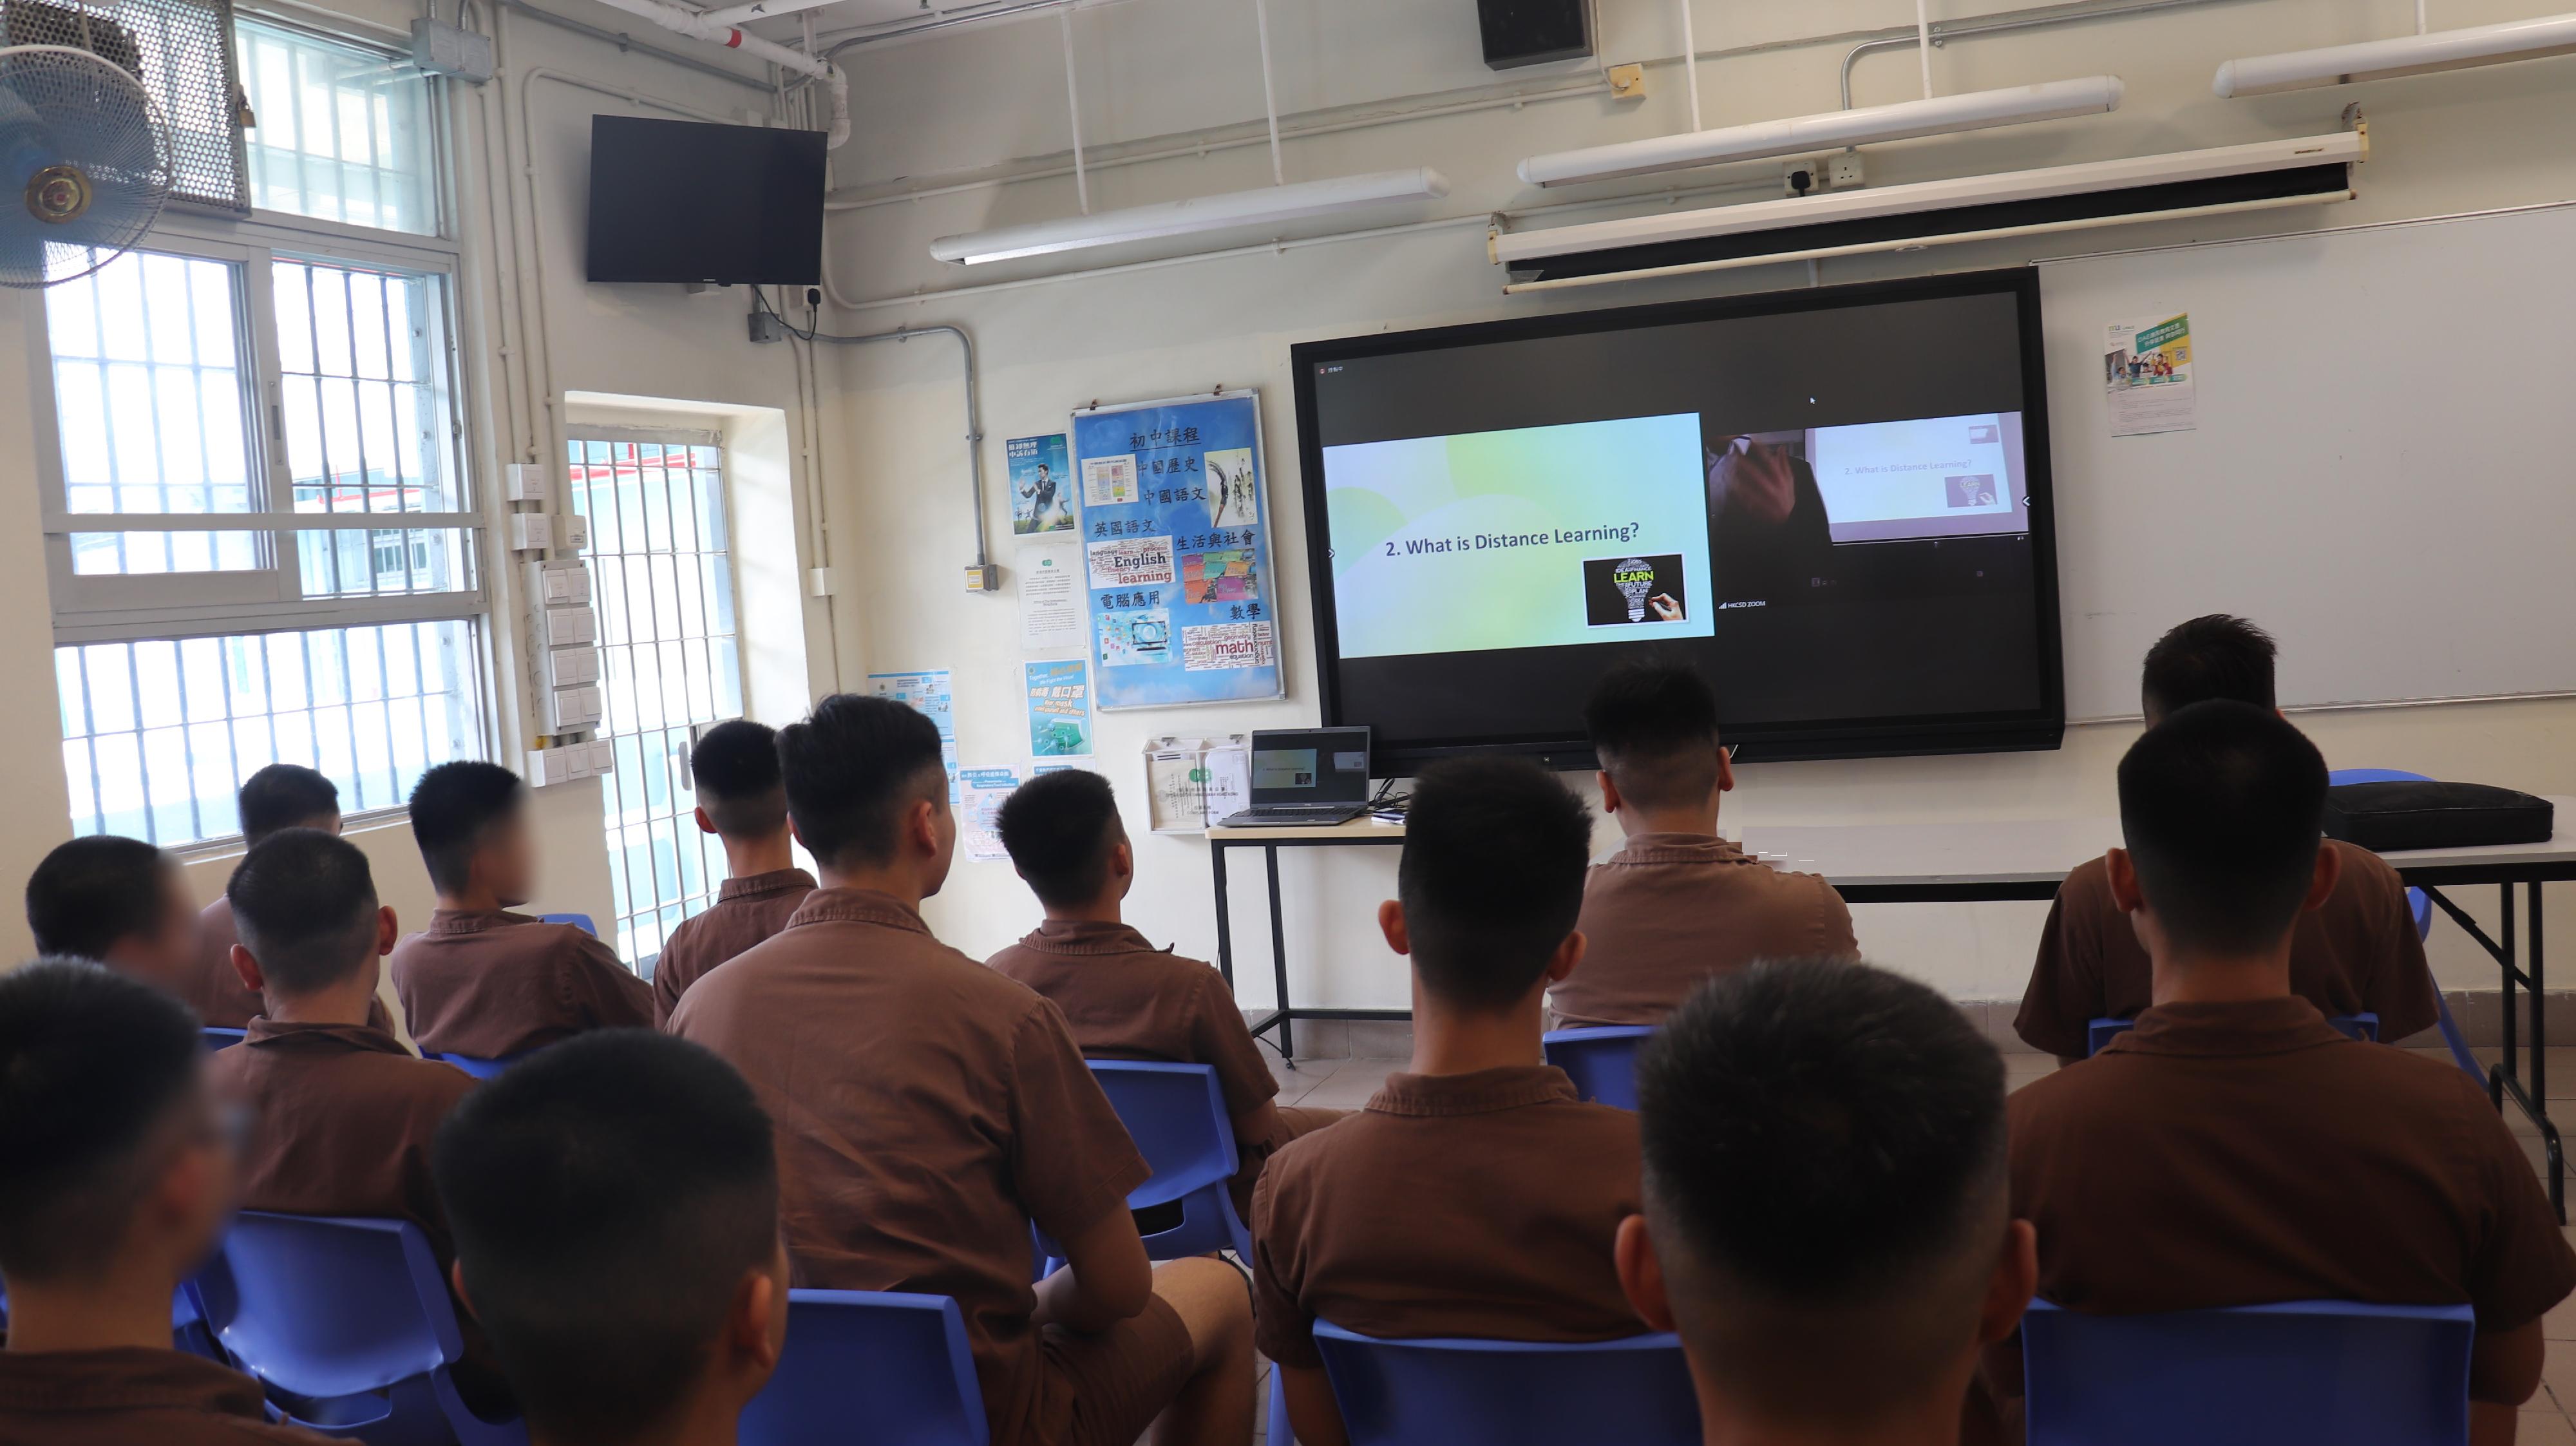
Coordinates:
1634 578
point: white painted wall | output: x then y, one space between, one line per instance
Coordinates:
1159 73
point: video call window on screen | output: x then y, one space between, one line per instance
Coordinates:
1853 545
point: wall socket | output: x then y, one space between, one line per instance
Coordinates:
766 325
1803 176
1846 172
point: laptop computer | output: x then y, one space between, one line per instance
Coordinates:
1313 777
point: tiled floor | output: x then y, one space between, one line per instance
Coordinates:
2548 1419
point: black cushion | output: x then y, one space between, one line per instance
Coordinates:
2387 817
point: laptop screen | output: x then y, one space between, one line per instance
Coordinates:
1309 765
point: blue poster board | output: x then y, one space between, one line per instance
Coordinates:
1176 543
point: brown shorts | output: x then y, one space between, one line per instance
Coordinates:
1115 1382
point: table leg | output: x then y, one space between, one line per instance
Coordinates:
2540 1058
1224 916
1279 960
2525 973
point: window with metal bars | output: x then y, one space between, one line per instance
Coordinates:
259 529
662 581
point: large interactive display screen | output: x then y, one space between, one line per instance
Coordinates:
1834 502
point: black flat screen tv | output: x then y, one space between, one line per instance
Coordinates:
689 202
1833 502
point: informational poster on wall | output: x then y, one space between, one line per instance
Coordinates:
1041 484
2146 370
1052 615
978 808
1192 783
1176 540
926 691
1059 709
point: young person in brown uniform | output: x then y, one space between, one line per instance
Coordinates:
742 803
118 1181
1475 1195
280 796
1001 1125
616 1209
2356 953
1677 903
118 901
1124 998
2233 1148
1826 1219
482 981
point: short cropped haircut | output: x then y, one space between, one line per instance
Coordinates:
735 767
608 1196
93 891
305 904
1654 727
2221 806
285 795
1060 829
2217 656
452 807
851 767
92 1067
1492 876
1825 1181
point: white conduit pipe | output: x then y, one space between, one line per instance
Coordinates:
1269 96
1073 108
2420 19
1690 64
699 27
1922 41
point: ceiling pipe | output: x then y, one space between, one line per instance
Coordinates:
702 27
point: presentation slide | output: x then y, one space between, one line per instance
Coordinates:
1925 477
1533 537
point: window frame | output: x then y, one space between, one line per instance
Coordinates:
119 608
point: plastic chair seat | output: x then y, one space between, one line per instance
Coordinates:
348 1325
2355 1375
1176 1115
1601 1060
1636 1392
871 1366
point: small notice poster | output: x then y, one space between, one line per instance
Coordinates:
1041 484
981 791
2147 374
1053 605
1059 709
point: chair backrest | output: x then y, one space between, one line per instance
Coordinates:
1602 1060
1176 1115
217 1037
578 921
481 1068
873 1366
1636 1392
324 1307
2355 1375
2336 778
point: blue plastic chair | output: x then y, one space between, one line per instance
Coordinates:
219 1038
2319 1370
1602 1060
482 1068
2099 1032
864 1365
349 1326
1176 1115
1636 1391
578 921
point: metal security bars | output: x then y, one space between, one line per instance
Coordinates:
343 135
662 575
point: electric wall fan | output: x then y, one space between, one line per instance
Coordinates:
87 162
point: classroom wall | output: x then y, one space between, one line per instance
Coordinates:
1166 75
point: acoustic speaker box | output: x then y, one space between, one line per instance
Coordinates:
1533 32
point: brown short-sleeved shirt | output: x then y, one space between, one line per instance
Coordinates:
1125 999
746 911
1480 1205
2241 1154
489 984
1671 909
221 1000
342 1117
2358 953
133 1396
928 1110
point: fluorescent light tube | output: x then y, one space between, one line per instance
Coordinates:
1940 115
2403 55
1203 213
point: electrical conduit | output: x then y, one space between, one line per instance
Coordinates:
698 27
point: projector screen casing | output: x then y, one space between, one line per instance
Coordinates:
1560 741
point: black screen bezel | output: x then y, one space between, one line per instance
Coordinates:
2041 728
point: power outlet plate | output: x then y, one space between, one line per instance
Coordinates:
1803 176
1845 171
766 327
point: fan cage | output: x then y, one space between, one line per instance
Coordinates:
182 52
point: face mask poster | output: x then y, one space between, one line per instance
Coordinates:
1176 541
